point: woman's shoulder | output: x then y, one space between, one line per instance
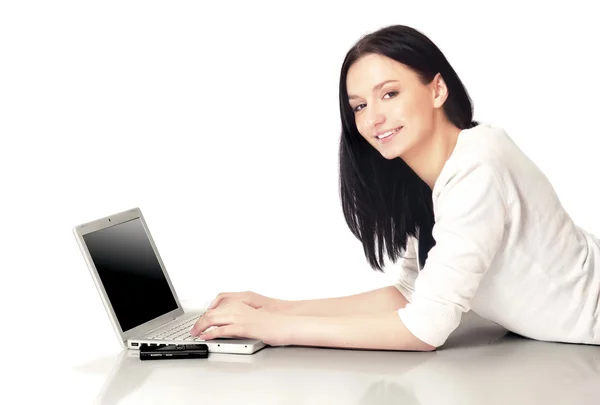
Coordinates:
483 142
484 151
485 146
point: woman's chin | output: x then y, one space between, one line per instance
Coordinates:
390 153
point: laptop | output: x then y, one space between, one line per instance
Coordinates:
135 287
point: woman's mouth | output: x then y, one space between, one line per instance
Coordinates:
387 136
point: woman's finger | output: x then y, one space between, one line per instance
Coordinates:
215 317
220 297
227 330
216 303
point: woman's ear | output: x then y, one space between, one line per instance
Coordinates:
440 91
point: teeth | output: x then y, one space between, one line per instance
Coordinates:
387 134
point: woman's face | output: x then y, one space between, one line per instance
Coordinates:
394 111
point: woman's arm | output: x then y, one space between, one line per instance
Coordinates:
470 227
384 299
383 331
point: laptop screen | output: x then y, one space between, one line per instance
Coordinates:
130 272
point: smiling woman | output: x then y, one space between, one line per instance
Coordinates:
398 94
472 220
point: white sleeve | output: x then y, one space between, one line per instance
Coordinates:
409 270
470 215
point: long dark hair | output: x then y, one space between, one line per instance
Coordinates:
384 201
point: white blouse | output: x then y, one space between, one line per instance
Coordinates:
505 248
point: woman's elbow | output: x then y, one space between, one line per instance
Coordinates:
424 347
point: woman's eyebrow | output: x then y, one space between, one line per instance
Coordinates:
376 87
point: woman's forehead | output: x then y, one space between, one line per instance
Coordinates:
372 69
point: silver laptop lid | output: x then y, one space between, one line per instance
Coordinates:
128 272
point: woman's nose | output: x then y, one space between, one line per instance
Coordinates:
374 116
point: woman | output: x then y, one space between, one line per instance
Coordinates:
476 225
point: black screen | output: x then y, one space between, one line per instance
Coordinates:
130 272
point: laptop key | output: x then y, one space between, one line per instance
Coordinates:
179 335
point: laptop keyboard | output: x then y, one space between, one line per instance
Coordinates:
179 331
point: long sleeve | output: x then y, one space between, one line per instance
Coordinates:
409 270
470 216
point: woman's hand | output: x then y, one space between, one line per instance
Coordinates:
238 319
251 299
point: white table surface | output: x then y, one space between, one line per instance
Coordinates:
481 364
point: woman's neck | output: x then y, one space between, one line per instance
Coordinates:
429 160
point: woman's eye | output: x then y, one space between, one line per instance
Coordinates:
391 94
358 108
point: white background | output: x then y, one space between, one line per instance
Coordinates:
221 122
